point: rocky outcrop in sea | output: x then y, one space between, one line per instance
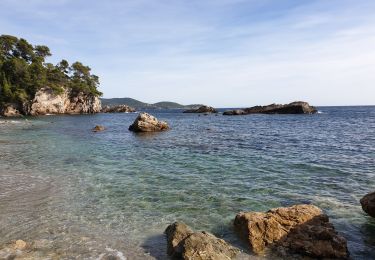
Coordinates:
184 243
201 109
148 123
118 109
46 101
298 107
368 204
299 229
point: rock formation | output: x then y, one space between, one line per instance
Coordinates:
148 123
297 107
118 109
301 229
183 243
202 109
368 204
235 112
46 101
98 128
10 110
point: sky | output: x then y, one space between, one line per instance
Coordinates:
224 53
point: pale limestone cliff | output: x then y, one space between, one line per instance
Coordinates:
48 102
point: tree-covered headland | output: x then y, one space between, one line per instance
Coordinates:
24 70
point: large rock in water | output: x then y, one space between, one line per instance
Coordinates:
183 243
301 229
118 109
298 107
148 123
368 204
202 109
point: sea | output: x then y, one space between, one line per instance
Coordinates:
85 194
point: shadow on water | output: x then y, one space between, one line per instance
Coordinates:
368 231
156 246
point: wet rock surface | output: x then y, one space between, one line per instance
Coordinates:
183 243
368 204
301 229
98 128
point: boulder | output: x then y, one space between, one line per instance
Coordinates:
202 109
368 204
148 123
98 128
234 112
183 243
298 107
301 229
118 109
10 110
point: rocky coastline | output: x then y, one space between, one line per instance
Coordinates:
46 101
297 107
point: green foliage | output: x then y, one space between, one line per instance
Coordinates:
23 71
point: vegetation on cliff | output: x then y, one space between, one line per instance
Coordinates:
24 70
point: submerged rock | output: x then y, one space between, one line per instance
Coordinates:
183 243
118 109
368 204
298 107
148 123
301 229
98 128
202 109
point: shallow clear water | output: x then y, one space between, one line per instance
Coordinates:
87 191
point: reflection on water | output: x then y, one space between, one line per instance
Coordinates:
88 193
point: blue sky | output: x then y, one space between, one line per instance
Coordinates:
223 53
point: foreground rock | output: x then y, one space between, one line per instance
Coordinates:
368 204
118 109
148 123
202 109
47 101
301 229
297 107
183 243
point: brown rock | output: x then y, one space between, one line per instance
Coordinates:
98 128
302 229
148 123
176 233
183 243
202 109
118 109
368 204
20 244
298 107
10 110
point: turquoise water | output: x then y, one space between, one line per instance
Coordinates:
87 191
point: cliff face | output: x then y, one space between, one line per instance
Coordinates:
47 102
